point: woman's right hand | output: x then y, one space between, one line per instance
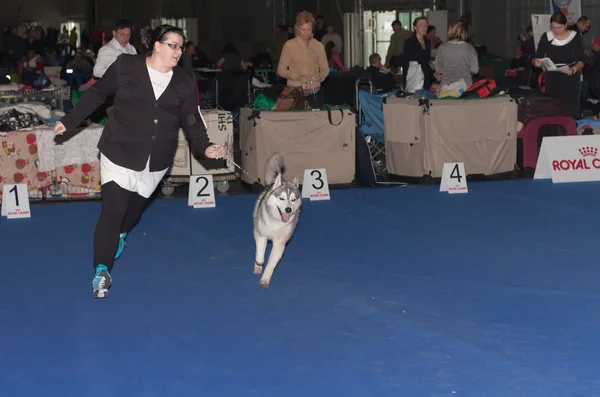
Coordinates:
59 128
537 62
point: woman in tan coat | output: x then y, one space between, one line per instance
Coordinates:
303 61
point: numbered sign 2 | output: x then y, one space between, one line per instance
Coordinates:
454 178
202 192
15 202
315 185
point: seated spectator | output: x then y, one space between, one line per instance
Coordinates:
80 66
381 77
231 60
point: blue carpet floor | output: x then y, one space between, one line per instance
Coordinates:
382 292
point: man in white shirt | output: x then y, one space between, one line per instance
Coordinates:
118 45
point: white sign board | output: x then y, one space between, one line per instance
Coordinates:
454 178
15 201
202 192
315 185
569 159
540 23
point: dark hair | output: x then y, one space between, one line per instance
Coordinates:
416 21
329 49
123 23
149 36
396 22
229 48
372 58
559 17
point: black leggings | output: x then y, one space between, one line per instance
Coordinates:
120 210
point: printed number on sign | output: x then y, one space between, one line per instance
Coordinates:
203 187
14 189
456 173
15 202
201 191
454 179
317 178
315 185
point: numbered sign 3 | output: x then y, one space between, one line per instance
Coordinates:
454 178
315 185
15 202
202 192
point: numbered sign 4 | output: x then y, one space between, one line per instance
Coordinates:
315 185
15 202
202 192
454 178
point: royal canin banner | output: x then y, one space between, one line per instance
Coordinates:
569 159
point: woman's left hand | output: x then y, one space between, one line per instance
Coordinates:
215 152
568 71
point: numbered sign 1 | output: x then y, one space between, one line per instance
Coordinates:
314 185
454 179
15 202
202 192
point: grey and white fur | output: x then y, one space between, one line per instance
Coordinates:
276 214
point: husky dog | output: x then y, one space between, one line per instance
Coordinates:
275 216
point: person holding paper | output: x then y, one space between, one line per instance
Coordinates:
153 97
560 52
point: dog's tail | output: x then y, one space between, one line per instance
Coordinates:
274 166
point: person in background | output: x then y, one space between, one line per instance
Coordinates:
433 38
153 96
396 48
562 46
456 58
582 26
320 30
303 61
417 48
231 60
119 44
331 35
333 58
527 45
381 77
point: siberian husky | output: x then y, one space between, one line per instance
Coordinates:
275 216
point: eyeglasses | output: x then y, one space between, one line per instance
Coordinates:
173 46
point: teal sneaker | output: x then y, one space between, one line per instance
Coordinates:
122 245
102 282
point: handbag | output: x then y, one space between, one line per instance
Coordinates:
291 98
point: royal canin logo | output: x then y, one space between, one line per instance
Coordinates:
588 151
588 161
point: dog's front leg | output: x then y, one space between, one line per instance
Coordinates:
274 258
261 248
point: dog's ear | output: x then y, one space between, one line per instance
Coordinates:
295 182
277 182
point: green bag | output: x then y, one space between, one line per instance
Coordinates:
263 102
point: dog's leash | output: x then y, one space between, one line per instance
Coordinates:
228 158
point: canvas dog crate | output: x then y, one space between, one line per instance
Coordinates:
420 136
307 140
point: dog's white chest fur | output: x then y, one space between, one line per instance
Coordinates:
275 217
